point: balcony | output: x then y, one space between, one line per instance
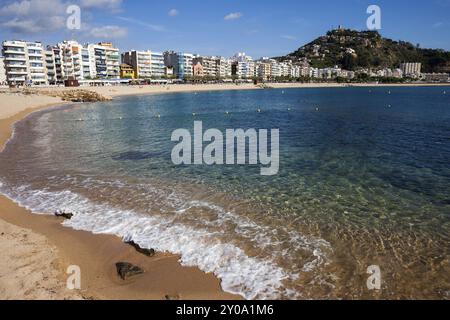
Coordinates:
15 72
15 58
14 50
16 64
17 79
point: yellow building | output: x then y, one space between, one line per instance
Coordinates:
127 72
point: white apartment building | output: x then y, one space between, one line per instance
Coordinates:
24 62
144 65
2 71
275 69
313 72
82 62
104 60
223 68
36 62
97 56
412 69
158 66
243 66
112 60
71 60
296 71
285 69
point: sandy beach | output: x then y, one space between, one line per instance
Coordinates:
36 249
115 91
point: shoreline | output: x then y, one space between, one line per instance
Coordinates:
97 254
118 91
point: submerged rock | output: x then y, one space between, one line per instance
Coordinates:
147 252
65 215
127 270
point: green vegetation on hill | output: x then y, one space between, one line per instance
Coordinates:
353 50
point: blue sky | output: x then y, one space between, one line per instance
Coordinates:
221 27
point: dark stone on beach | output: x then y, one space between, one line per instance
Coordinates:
172 297
147 252
65 215
126 270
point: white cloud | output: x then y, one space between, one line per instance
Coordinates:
39 16
233 16
288 37
438 24
101 4
33 16
109 32
34 7
153 27
173 13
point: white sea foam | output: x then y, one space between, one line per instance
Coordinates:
250 277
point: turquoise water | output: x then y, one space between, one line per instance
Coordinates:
364 180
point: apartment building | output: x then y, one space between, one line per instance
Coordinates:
98 54
71 60
157 64
146 64
57 62
24 62
263 70
209 65
36 62
223 68
181 63
243 66
112 59
50 66
197 69
411 69
296 71
436 77
276 70
2 71
285 69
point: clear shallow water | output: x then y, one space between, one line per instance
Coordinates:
364 180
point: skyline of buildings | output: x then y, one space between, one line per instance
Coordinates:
32 63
